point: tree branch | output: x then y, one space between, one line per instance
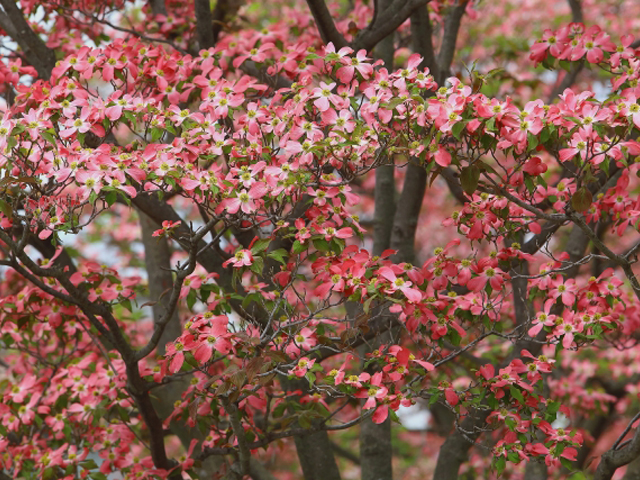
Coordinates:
449 39
421 37
204 24
41 57
325 24
576 11
244 453
157 256
158 7
406 220
386 23
616 457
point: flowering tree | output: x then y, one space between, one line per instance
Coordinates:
208 231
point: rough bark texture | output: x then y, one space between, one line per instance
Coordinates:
421 37
315 451
41 57
385 190
536 471
633 470
157 256
375 440
406 219
316 457
375 450
204 24
449 39
158 7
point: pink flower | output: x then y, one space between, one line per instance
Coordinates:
213 338
167 228
302 367
412 294
242 258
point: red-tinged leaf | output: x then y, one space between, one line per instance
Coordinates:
451 396
469 178
582 199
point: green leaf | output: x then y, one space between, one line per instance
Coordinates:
367 305
5 208
298 247
545 134
191 299
111 197
304 422
127 304
581 200
278 255
456 130
500 464
260 245
321 244
469 177
553 407
48 136
257 265
515 393
528 181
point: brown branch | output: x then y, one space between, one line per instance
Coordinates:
406 219
221 11
449 39
576 11
259 472
158 7
386 23
244 453
617 457
569 79
204 23
421 37
138 390
41 57
571 76
325 24
344 453
157 256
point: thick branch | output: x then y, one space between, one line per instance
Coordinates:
160 211
386 23
41 57
157 256
345 453
204 22
615 458
576 11
259 472
314 449
536 470
406 219
449 39
158 7
421 36
326 26
244 453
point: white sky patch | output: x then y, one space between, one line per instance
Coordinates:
415 417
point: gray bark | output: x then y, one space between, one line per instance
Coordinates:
536 470
157 257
